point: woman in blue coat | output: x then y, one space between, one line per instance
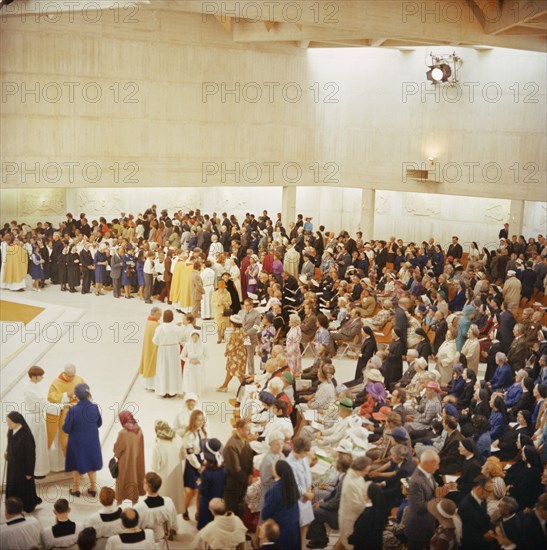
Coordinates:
83 452
100 261
212 480
281 504
498 418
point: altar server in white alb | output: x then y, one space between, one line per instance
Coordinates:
35 395
19 532
208 277
193 355
107 521
168 338
156 511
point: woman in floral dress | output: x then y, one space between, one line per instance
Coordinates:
236 355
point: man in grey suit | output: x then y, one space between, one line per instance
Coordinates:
420 524
251 322
116 265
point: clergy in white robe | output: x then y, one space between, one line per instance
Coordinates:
215 248
168 337
193 355
208 277
20 532
35 396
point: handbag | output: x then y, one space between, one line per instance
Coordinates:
252 281
113 467
227 312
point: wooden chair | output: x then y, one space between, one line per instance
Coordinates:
345 346
384 336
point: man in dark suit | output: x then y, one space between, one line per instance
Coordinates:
504 232
518 351
238 459
351 330
477 531
451 459
507 324
326 512
528 279
401 321
534 525
511 521
116 265
420 524
455 249
86 261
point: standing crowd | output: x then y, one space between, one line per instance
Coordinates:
438 441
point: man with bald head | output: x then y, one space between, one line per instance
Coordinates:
132 535
61 392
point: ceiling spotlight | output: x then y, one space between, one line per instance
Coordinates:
443 68
439 73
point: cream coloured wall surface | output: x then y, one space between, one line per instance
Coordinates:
148 104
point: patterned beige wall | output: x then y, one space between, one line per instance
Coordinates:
167 100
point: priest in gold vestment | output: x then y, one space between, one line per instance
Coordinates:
149 350
61 392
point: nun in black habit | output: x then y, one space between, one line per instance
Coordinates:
21 458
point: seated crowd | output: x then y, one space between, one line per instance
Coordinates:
439 440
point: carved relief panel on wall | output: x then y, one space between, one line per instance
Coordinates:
39 202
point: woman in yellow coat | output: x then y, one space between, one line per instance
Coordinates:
220 301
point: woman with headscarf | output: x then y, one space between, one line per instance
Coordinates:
424 345
21 458
83 451
368 348
508 443
129 450
251 273
213 479
524 478
457 303
221 301
392 368
493 469
167 457
471 466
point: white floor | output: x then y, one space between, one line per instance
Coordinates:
105 345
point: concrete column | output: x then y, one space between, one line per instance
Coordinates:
288 206
368 204
516 217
